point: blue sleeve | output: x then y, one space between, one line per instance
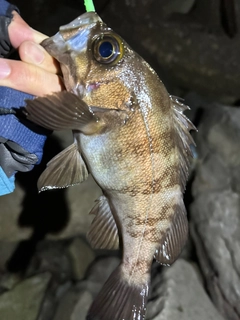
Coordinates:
6 184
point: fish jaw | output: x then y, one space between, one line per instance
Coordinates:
72 41
54 45
61 41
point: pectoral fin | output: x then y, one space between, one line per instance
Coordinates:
172 244
103 233
65 169
63 110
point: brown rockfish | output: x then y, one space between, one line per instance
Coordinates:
133 137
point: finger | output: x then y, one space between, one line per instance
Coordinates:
20 31
35 54
28 78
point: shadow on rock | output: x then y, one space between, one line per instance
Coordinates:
46 212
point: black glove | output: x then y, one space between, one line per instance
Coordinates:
6 10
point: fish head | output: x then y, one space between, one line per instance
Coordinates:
91 55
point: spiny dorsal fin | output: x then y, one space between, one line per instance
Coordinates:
184 139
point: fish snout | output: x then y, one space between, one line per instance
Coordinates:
72 36
85 21
54 45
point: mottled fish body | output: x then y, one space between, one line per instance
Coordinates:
134 139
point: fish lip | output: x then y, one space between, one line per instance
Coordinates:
53 44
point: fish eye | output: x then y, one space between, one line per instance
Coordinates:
107 49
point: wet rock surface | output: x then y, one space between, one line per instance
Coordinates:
178 294
23 302
74 306
47 269
215 211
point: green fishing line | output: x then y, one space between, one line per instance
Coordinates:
89 5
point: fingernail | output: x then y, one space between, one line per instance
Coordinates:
4 69
35 52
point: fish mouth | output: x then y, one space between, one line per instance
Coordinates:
53 45
57 44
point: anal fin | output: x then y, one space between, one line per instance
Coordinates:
176 236
66 169
103 233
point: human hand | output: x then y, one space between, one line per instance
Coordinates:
37 73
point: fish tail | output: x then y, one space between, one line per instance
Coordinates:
120 299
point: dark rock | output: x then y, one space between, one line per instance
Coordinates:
10 210
52 256
53 296
79 199
74 305
9 281
23 302
89 286
215 219
183 7
178 294
81 308
102 268
190 48
81 256
6 250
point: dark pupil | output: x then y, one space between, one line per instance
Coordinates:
106 49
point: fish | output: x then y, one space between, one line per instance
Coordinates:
132 136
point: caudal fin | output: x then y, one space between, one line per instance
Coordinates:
119 300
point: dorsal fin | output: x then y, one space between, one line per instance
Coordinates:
185 141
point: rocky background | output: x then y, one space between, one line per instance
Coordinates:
47 269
